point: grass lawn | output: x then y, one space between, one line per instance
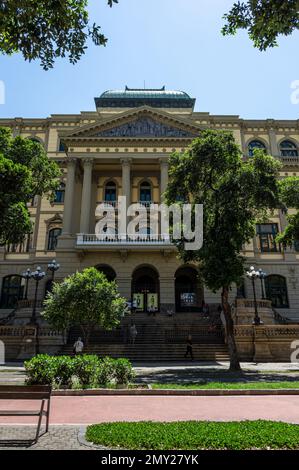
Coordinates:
230 385
195 435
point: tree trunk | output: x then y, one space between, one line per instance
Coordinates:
234 360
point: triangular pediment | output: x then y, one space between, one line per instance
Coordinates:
140 123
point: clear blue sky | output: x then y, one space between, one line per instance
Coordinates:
176 43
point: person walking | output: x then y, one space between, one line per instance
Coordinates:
205 310
78 346
133 333
189 349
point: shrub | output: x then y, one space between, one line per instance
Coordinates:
40 370
106 371
64 370
49 370
77 372
123 371
86 369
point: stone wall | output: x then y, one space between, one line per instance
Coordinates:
266 343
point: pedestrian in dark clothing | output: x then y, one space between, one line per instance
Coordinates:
189 349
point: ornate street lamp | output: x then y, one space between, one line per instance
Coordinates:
262 276
26 275
252 274
37 276
53 267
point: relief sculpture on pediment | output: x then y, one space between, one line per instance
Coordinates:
144 127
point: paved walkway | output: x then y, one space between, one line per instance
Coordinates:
58 438
97 409
185 372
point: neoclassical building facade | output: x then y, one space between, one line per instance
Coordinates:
121 149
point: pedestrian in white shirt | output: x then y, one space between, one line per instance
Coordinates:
78 346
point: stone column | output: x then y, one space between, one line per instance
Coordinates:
126 179
272 139
69 196
163 177
86 196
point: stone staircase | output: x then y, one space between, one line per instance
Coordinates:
159 338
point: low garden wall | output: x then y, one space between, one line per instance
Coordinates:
20 341
266 343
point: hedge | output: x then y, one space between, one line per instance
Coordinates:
84 371
195 435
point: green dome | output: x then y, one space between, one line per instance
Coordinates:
145 93
134 97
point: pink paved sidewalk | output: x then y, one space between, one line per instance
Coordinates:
97 409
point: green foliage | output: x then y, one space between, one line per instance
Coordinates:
289 191
86 368
234 194
264 20
123 371
47 29
86 299
40 370
289 196
84 371
106 371
229 385
195 435
25 172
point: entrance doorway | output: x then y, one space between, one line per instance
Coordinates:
145 289
188 291
107 271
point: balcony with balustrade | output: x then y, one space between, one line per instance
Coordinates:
147 242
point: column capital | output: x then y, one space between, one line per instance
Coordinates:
71 161
126 161
86 162
164 161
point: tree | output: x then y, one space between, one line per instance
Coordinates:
234 195
289 196
47 29
264 20
25 172
86 299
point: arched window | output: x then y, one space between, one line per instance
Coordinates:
52 238
276 290
12 290
59 194
110 192
255 144
288 149
145 192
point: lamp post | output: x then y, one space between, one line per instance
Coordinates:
26 275
262 276
37 276
252 274
53 267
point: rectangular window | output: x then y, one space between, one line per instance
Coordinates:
266 234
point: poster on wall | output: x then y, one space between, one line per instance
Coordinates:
152 302
188 299
138 300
